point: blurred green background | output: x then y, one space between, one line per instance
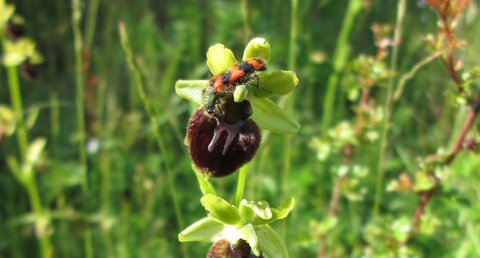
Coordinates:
126 210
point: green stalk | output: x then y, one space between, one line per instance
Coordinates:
29 182
288 104
80 91
387 109
80 112
16 99
152 115
288 100
340 57
46 248
90 24
242 179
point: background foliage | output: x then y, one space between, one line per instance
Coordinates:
125 209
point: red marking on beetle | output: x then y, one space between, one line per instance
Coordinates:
237 74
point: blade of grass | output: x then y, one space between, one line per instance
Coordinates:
340 56
387 109
80 112
151 112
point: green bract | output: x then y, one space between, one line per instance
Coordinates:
249 222
267 114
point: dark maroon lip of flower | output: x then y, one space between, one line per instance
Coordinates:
218 148
224 249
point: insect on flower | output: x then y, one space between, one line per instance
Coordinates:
224 83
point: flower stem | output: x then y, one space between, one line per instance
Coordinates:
16 100
340 57
387 108
242 179
29 182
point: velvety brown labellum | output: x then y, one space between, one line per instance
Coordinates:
224 249
14 30
28 71
234 144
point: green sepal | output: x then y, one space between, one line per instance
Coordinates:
270 116
276 83
6 11
270 242
203 230
191 90
220 59
34 151
220 210
257 48
7 120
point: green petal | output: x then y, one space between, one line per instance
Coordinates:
220 59
191 90
276 213
270 116
220 210
276 83
203 230
249 234
271 244
240 93
257 48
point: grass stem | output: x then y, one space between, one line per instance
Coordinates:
340 56
152 114
387 108
80 112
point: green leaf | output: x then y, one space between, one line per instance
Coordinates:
220 59
220 210
32 117
205 186
257 48
60 177
270 116
191 90
276 83
203 230
401 229
423 182
271 244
